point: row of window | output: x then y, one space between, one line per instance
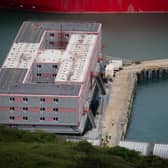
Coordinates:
43 99
26 109
54 118
65 35
39 74
25 99
54 66
13 118
26 118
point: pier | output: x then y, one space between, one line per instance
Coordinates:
122 94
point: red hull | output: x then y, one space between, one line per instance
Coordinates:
88 6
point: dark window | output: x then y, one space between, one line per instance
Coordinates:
55 109
55 99
42 99
51 42
12 108
25 108
38 74
25 99
51 34
67 35
54 75
42 109
25 118
55 118
54 66
38 65
12 99
11 117
42 118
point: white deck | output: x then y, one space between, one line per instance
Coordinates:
21 55
50 56
77 58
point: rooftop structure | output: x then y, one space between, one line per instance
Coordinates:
46 80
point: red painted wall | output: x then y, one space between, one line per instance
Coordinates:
88 6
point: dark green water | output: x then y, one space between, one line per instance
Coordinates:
149 118
132 36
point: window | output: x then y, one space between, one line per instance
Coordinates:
55 109
25 109
42 118
25 99
67 36
51 42
38 74
54 66
25 118
54 75
12 99
55 99
11 117
12 108
51 34
55 118
42 109
42 99
38 65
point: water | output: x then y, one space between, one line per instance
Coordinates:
150 113
130 36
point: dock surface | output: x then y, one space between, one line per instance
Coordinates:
121 97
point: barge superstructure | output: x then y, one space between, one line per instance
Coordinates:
48 78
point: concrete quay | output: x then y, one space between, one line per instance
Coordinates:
123 88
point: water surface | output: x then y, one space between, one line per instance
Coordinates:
149 118
132 36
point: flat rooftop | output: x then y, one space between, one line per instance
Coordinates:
31 32
32 46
